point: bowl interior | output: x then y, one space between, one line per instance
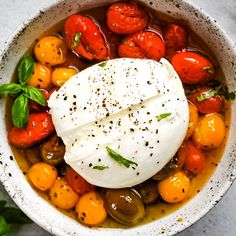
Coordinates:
40 210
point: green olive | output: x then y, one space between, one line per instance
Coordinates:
53 150
124 205
148 191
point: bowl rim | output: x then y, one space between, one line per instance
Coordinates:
23 25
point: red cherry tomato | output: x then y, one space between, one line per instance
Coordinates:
78 183
84 37
126 18
144 44
193 68
175 37
195 160
209 105
39 127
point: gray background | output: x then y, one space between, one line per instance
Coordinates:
221 220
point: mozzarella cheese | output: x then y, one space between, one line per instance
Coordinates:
117 104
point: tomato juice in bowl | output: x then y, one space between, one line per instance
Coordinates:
182 214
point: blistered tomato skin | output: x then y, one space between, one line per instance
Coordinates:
126 18
84 37
39 127
210 105
193 68
175 37
144 44
210 131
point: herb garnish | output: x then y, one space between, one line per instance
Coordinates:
211 93
76 40
102 64
20 108
118 158
100 167
163 116
10 215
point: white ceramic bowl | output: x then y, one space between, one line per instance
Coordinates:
41 211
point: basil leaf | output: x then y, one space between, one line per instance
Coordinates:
25 69
15 216
102 64
2 204
227 95
118 158
76 40
100 167
211 93
35 95
11 89
20 111
4 227
163 116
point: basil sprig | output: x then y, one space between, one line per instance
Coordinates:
10 215
120 159
23 93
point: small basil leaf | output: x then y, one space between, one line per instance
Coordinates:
163 116
4 227
35 95
25 69
11 89
76 40
100 167
14 216
2 204
20 112
102 64
209 94
120 159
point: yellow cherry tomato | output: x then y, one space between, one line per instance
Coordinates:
90 209
61 75
62 195
193 119
50 50
210 131
175 188
41 77
42 175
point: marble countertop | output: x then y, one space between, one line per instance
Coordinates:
221 220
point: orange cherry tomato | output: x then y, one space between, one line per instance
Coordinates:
193 68
144 44
209 105
78 183
210 131
126 18
195 160
175 37
84 37
39 127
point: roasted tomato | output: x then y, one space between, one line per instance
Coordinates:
144 44
193 68
206 101
78 183
195 160
39 127
126 18
175 37
84 37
